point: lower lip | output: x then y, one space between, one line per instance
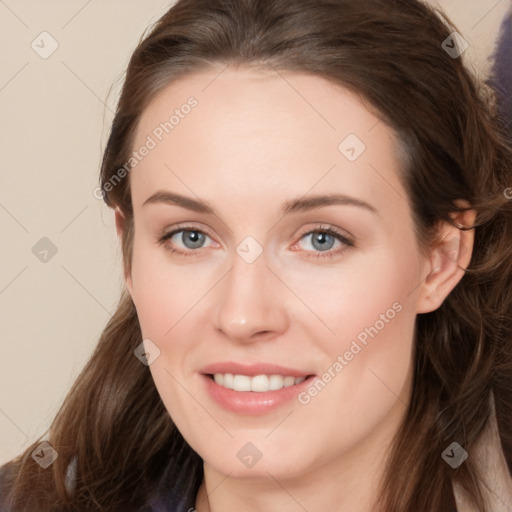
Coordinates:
253 402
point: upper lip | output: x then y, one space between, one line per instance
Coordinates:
253 369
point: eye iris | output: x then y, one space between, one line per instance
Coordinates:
321 237
194 236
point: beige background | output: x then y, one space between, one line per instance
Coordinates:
55 116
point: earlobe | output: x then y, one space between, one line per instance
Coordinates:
119 218
129 283
120 225
449 258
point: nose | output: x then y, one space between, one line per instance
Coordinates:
251 305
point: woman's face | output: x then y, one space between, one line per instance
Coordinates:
257 287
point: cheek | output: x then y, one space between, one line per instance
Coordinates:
168 300
165 298
357 297
367 380
163 292
370 310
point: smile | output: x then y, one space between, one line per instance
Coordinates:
257 383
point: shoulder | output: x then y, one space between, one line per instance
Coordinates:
497 480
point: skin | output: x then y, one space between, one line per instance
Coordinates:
255 140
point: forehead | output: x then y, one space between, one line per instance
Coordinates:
242 101
252 132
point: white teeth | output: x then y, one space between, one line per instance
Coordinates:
241 383
276 382
228 380
258 383
288 381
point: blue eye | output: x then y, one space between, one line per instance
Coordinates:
190 238
322 240
196 238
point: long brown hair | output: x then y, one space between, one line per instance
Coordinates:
391 53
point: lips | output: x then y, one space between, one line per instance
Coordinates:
253 389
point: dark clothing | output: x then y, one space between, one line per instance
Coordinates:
174 493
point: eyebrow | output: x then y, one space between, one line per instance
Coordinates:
294 205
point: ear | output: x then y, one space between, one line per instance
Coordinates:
449 257
120 223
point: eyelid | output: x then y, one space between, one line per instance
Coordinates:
186 227
325 228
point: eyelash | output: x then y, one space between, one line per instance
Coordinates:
313 254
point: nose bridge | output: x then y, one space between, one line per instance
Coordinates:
249 300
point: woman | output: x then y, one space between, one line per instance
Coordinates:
249 368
